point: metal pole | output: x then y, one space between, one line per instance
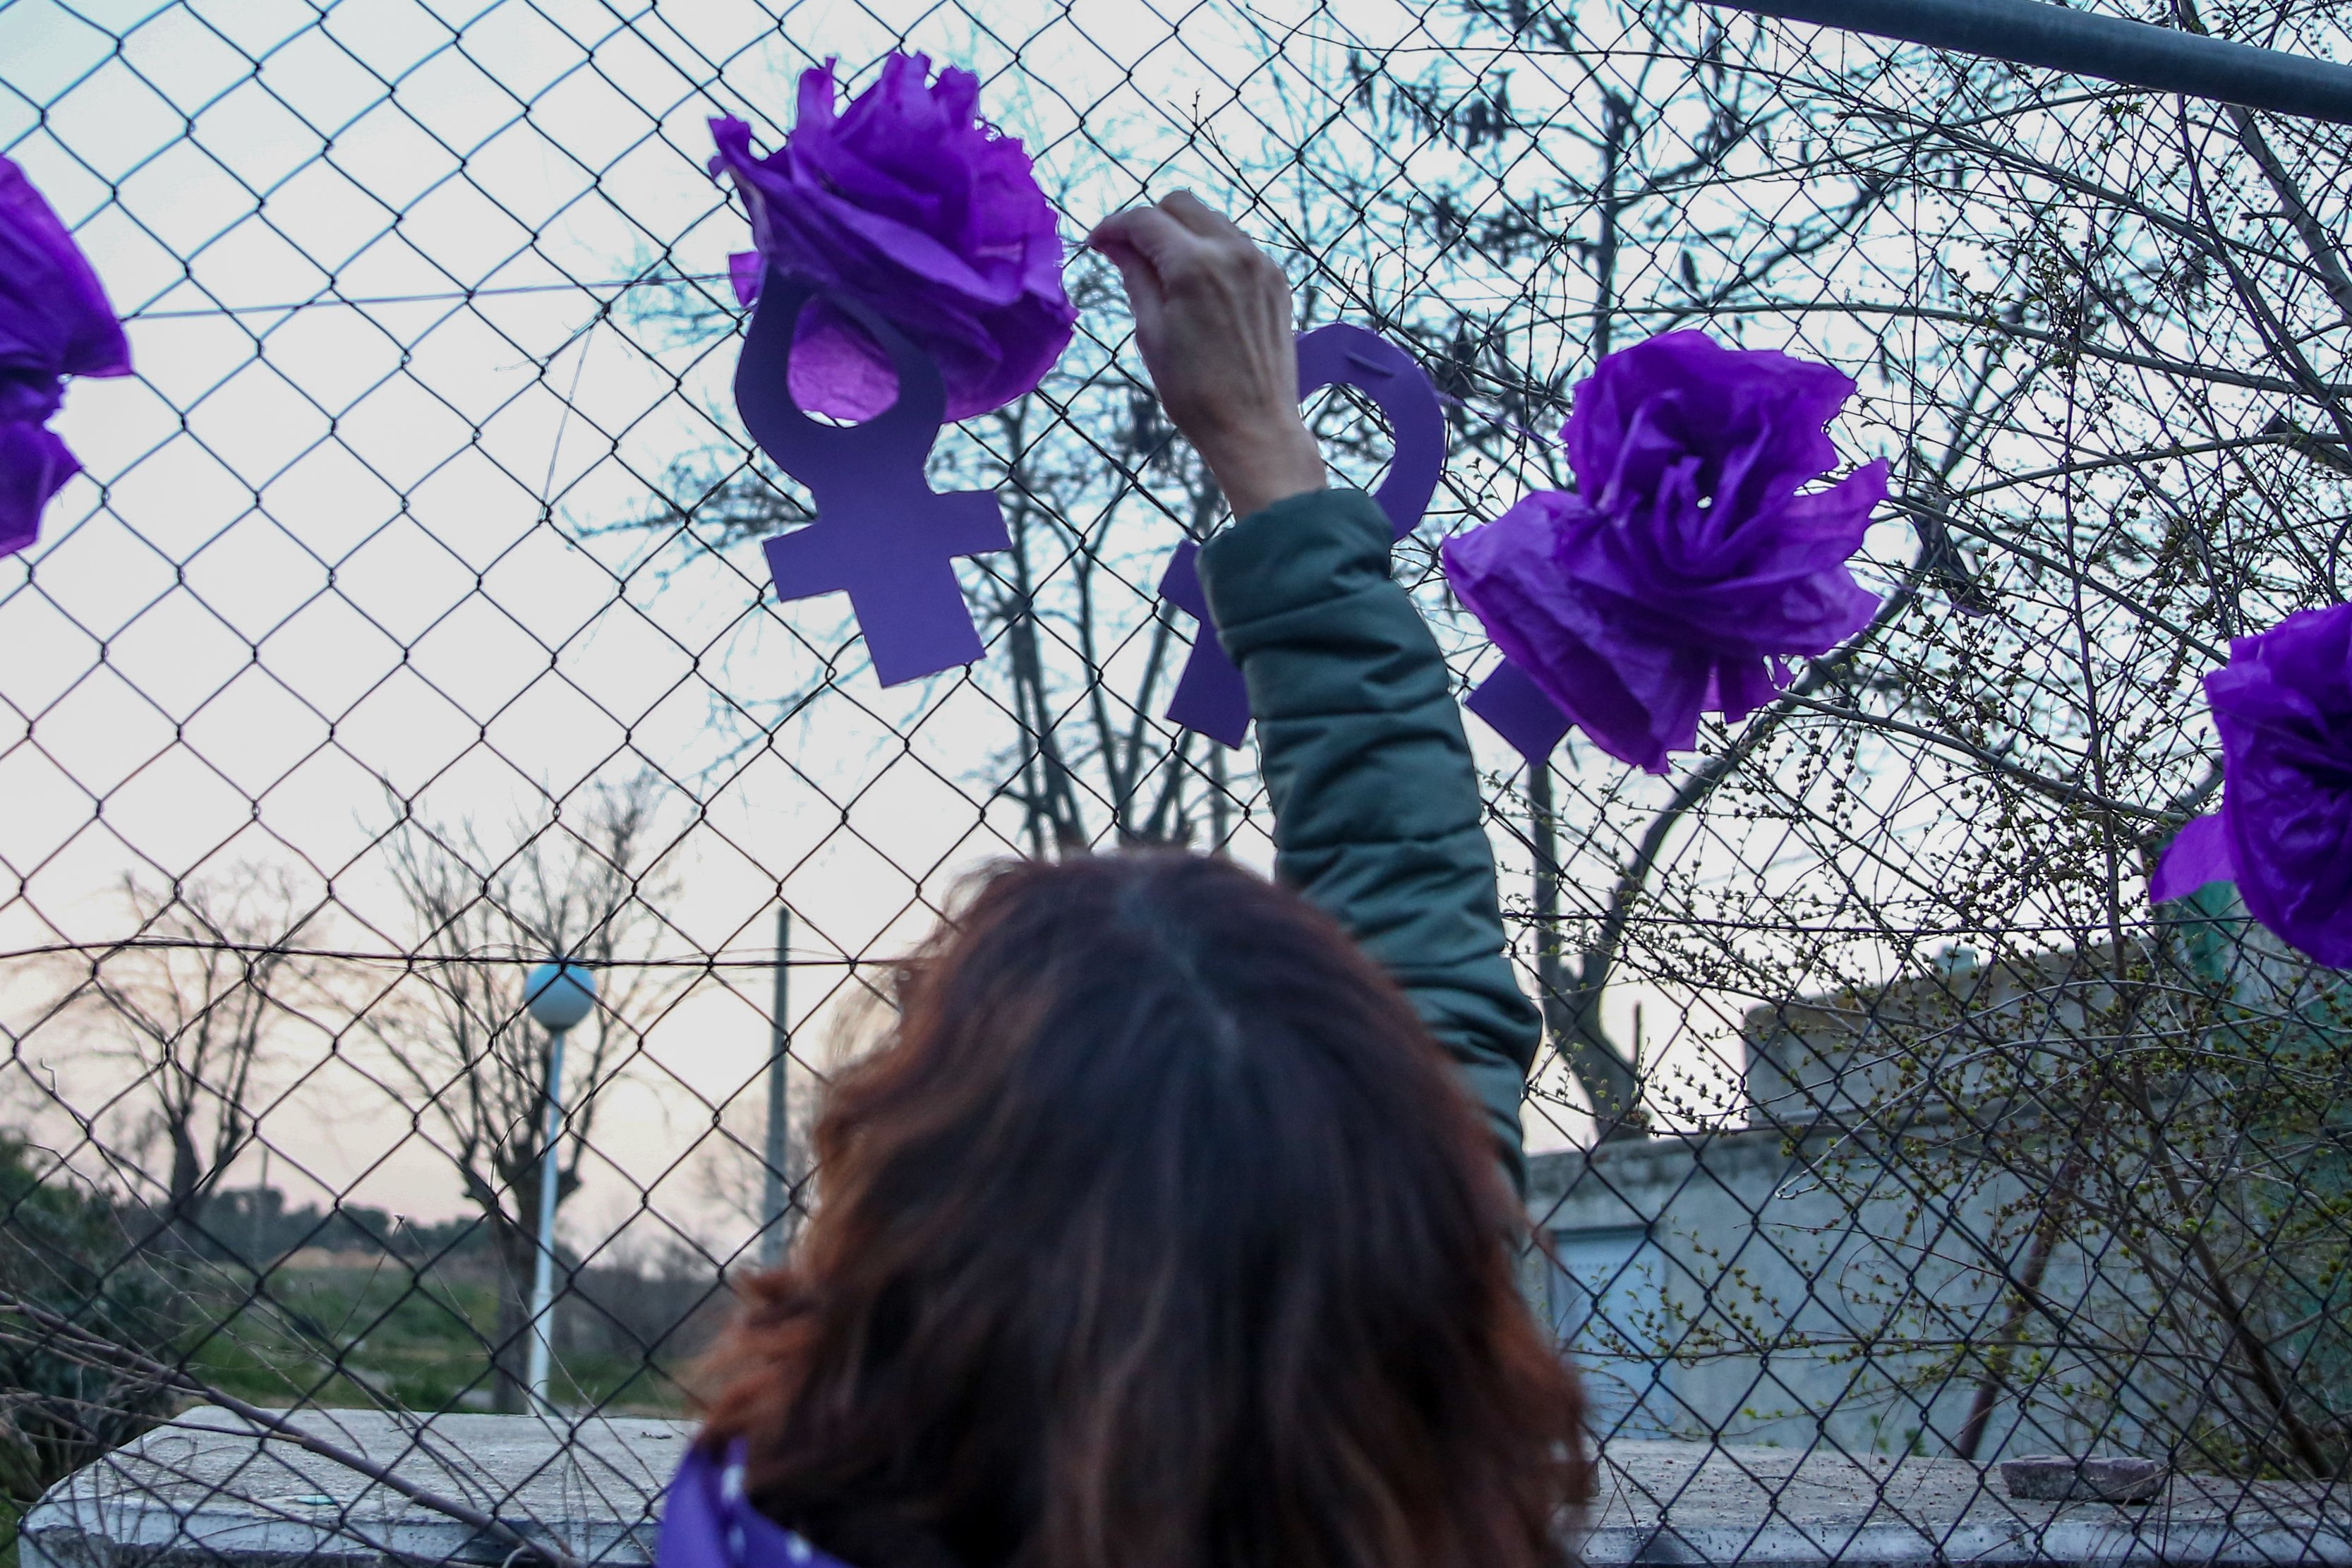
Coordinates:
777 1194
542 1276
2087 44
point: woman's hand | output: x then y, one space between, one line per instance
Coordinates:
1212 318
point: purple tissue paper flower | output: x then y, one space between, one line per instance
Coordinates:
1686 569
55 322
2283 707
910 204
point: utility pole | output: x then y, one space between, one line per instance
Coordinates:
777 1195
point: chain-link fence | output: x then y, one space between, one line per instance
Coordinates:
409 627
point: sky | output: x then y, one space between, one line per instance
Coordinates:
336 537
346 537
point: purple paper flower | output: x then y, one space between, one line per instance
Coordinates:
2283 709
55 322
910 204
1687 568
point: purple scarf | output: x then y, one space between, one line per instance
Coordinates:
707 1521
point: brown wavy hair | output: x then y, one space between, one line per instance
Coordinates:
1160 1234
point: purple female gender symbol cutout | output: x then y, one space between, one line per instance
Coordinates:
881 534
1210 697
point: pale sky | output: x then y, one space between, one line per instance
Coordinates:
369 302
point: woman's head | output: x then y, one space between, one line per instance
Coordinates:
1159 1235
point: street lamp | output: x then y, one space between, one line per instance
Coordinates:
558 995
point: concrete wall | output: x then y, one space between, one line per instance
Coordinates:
1806 1276
1745 1286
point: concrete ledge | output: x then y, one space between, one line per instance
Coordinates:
1694 1502
207 1488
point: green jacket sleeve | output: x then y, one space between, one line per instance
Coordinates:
1376 806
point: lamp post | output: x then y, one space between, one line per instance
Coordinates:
558 995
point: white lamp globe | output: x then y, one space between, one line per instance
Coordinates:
559 994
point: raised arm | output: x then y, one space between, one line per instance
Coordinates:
1376 805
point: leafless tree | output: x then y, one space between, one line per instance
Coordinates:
1594 183
2111 372
1083 492
587 886
193 1003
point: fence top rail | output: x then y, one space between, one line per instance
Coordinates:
2113 48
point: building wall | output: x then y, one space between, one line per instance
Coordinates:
1748 1287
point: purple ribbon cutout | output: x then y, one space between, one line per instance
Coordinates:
2199 853
881 534
1210 696
1520 712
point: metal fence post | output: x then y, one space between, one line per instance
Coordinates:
774 1232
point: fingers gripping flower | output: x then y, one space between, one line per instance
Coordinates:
2283 707
1690 564
55 322
910 204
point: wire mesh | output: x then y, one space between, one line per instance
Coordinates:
409 627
